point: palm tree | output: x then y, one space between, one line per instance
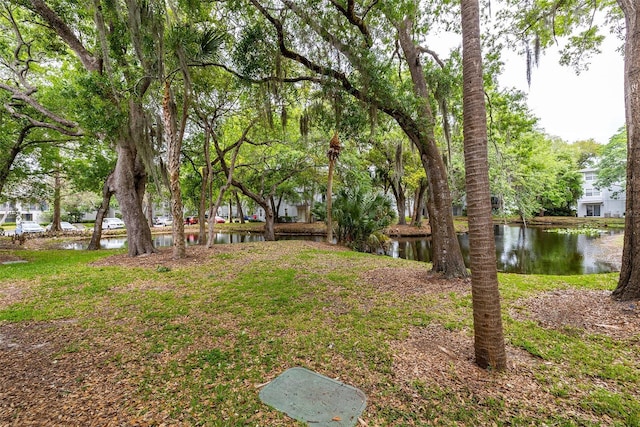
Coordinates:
487 322
332 154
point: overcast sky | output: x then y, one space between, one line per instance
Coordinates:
574 107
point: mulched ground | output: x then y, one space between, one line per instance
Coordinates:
45 383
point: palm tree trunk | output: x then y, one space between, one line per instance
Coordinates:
332 164
487 321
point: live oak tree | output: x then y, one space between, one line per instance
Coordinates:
218 104
268 160
341 34
112 62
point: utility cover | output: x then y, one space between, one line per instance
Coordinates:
309 397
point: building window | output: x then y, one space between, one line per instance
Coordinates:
593 210
590 192
589 176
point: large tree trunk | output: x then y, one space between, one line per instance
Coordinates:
487 321
129 177
129 182
447 256
269 218
629 283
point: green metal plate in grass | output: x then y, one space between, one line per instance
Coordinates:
315 399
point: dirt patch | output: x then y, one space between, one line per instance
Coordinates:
13 292
592 312
414 281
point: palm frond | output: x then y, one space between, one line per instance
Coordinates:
209 43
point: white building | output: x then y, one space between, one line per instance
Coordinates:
28 212
604 202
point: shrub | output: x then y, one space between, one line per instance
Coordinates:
360 215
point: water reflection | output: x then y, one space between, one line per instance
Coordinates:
166 240
526 250
529 250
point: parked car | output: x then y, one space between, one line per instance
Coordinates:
112 223
30 227
191 220
66 226
163 221
220 220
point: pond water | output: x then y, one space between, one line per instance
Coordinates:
524 250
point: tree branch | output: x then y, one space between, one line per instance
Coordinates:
90 62
40 124
262 80
433 54
351 16
388 105
16 94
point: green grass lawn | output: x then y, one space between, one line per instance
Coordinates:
190 343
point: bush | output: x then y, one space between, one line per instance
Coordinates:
319 211
360 215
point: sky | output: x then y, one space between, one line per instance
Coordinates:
574 107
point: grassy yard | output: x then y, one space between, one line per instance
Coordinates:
96 338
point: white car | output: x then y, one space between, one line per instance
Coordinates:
112 223
163 221
30 227
66 226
